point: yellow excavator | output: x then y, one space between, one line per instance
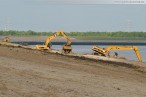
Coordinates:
6 39
105 51
47 46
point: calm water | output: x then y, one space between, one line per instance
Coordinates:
84 49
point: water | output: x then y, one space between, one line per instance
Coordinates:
129 54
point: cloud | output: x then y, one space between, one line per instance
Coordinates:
76 1
93 1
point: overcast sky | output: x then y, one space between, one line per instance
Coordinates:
71 15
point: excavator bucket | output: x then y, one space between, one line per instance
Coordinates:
67 49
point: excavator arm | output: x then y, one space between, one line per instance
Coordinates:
104 51
137 53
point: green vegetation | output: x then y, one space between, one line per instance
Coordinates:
84 35
109 35
25 33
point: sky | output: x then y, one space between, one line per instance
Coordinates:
73 15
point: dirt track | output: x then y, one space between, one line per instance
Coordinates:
27 73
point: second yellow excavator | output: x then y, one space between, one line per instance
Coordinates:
47 46
105 51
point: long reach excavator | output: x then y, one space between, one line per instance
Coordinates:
105 51
47 45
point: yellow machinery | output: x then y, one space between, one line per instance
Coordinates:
6 39
105 51
47 46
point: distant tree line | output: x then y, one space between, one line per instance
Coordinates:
109 35
24 33
82 35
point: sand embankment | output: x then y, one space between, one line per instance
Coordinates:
31 73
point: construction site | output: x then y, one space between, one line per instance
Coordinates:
72 48
40 71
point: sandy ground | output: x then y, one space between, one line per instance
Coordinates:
27 73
